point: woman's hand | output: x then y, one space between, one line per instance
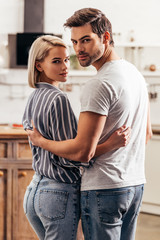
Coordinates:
120 138
34 136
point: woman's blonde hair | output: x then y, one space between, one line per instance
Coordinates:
38 51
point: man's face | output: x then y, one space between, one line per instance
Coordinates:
88 47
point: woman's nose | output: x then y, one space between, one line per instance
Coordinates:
65 65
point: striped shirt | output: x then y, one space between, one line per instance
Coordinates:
53 117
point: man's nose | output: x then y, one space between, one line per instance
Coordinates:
79 47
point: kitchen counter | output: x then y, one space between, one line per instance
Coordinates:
7 132
156 129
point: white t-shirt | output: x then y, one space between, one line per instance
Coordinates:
119 92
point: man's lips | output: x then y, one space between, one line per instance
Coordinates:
82 57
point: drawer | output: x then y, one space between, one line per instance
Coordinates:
23 150
15 150
6 149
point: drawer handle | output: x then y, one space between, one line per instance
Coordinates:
22 174
1 173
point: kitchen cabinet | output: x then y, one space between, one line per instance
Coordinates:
151 198
3 203
15 174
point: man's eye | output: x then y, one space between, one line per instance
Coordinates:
86 40
74 42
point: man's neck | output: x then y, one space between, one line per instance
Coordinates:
109 55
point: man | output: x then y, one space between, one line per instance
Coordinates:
112 188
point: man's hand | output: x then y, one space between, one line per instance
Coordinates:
34 136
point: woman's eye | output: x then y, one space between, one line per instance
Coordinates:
67 59
56 61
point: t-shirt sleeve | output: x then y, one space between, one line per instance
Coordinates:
97 97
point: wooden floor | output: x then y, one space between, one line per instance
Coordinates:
148 227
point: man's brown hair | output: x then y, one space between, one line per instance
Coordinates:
98 21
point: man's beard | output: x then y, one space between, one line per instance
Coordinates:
90 59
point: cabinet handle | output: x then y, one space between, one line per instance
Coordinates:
22 174
1 173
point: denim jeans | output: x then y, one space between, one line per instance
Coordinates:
52 208
111 214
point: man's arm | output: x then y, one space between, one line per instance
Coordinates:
82 148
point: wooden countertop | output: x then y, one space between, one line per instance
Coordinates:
156 132
7 132
156 129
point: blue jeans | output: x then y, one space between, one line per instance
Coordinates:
111 214
52 208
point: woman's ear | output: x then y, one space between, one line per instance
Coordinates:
106 37
38 66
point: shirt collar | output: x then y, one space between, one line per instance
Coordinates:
45 85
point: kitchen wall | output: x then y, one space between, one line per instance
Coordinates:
137 19
141 16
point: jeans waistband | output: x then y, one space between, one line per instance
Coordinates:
36 178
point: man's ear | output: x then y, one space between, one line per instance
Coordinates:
106 37
38 66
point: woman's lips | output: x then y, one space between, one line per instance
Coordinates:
64 74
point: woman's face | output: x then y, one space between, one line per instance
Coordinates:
55 66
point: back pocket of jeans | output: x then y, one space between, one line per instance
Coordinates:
112 205
25 200
53 204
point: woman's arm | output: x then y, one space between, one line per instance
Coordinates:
149 127
118 139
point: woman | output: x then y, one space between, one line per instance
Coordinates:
51 201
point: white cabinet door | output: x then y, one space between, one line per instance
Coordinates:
151 198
